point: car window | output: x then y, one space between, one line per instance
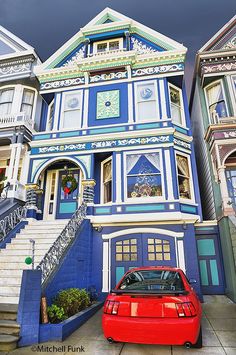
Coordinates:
153 280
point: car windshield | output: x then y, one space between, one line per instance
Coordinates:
152 280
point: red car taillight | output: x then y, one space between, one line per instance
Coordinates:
185 309
111 307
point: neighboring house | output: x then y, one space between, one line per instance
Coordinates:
213 113
20 109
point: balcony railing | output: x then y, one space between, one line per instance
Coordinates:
111 52
224 120
18 119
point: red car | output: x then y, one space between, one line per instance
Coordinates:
153 305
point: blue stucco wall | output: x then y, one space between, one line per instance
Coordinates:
75 270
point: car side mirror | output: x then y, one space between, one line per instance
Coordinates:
192 281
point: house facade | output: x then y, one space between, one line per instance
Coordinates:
213 113
20 108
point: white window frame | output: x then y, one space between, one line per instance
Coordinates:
101 181
181 199
18 96
48 115
210 120
182 113
146 82
232 86
61 118
95 45
6 89
141 200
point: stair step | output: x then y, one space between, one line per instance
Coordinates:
19 258
40 241
15 266
8 311
44 227
21 246
12 290
9 327
8 342
10 281
9 299
16 252
37 235
15 273
41 231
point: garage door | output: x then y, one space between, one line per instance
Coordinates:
137 250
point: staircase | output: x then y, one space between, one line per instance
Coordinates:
9 329
12 259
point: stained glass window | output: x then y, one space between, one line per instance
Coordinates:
158 249
183 177
216 102
126 250
143 175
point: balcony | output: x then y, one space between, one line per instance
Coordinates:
16 120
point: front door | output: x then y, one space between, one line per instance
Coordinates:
209 258
67 202
137 250
50 195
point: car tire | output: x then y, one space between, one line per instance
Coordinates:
198 343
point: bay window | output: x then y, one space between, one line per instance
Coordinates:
183 174
50 116
176 104
106 187
6 99
216 102
146 101
27 102
143 175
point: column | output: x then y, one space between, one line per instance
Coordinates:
118 179
163 99
105 266
33 201
88 190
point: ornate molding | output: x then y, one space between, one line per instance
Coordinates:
182 143
108 76
76 58
215 68
141 47
15 69
158 69
62 83
231 44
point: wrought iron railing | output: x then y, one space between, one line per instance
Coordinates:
52 258
9 222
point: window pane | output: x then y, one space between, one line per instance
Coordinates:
144 186
107 182
107 171
5 109
215 97
6 95
176 113
28 97
72 102
175 105
71 119
101 47
113 45
147 110
175 96
146 92
183 177
27 109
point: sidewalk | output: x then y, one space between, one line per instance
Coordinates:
219 336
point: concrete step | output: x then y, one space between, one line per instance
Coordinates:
44 226
16 252
9 299
40 231
22 246
15 266
8 342
37 241
9 273
12 290
10 281
19 258
9 327
8 311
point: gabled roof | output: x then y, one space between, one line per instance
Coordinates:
11 44
224 39
106 21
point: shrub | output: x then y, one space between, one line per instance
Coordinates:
72 300
56 314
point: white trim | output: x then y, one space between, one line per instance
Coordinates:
16 39
47 200
180 255
57 100
169 176
85 109
231 80
143 230
206 88
163 99
181 199
182 111
105 266
144 199
78 93
118 180
130 104
101 182
48 115
142 83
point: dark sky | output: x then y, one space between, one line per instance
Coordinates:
47 24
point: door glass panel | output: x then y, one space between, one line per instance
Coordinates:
206 247
126 250
214 273
158 249
203 272
120 270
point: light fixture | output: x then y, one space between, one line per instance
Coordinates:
98 229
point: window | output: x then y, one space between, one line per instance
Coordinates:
143 175
158 249
106 46
50 116
146 101
27 102
71 116
176 104
183 177
126 250
6 99
216 102
107 181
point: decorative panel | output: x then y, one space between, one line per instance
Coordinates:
108 104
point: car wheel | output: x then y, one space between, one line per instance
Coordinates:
198 344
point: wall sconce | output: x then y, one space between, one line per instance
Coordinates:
184 225
98 229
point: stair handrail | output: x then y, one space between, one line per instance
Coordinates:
52 258
9 222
